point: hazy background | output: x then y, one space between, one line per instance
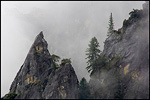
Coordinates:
67 27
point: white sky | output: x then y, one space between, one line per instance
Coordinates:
67 26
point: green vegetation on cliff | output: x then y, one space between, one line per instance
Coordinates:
84 90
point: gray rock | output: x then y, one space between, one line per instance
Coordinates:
64 84
128 76
37 79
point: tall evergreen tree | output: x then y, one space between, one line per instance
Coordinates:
84 90
93 54
111 25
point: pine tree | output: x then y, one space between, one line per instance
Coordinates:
55 60
111 25
64 61
84 90
93 54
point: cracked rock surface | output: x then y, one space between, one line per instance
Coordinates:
127 52
37 79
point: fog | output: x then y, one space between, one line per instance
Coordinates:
67 27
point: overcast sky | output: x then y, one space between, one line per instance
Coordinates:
67 27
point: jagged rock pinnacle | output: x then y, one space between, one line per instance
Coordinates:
40 34
38 79
38 60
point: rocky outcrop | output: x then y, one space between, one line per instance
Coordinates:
38 79
62 84
127 54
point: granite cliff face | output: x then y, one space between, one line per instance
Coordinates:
37 79
126 74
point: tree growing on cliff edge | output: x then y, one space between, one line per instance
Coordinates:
84 90
93 54
111 25
55 60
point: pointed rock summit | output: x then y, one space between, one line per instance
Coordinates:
37 78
